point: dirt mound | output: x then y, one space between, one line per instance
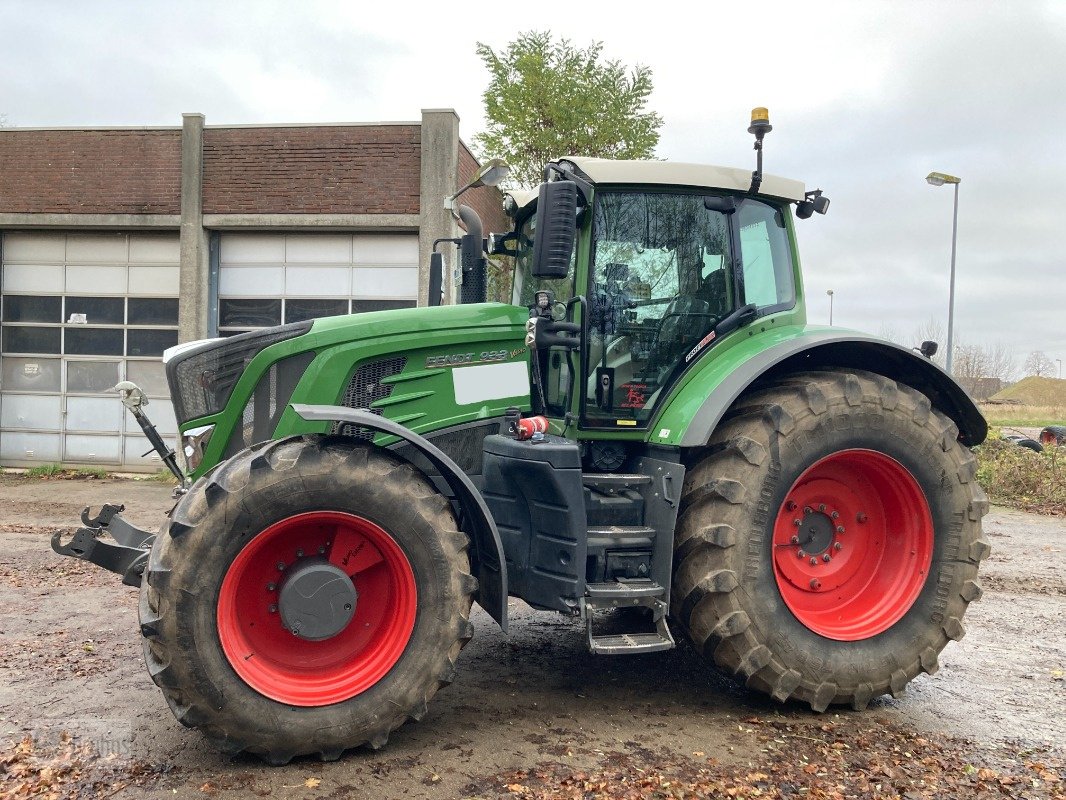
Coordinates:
1033 391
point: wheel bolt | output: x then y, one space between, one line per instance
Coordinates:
838 546
271 587
816 584
797 522
814 561
321 551
295 631
795 540
821 507
861 517
835 515
827 558
801 554
347 606
299 552
281 566
840 528
273 609
808 510
790 506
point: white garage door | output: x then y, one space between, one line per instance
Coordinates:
81 312
271 279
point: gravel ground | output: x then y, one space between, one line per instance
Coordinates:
71 660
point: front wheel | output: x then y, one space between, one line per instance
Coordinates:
829 537
307 596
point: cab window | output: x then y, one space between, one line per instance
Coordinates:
765 256
661 280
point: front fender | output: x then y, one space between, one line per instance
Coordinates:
699 406
476 520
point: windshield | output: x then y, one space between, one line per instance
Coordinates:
524 282
661 279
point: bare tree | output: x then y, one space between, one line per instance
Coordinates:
1038 363
891 333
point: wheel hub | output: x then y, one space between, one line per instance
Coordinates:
317 599
816 532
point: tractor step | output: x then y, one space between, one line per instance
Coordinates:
629 643
613 481
623 593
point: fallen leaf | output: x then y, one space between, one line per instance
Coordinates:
312 783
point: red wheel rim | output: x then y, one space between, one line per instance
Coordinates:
852 545
281 665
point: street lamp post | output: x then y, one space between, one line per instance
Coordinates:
830 293
939 179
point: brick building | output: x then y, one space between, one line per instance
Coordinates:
118 243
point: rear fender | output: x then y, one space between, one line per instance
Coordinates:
476 521
836 350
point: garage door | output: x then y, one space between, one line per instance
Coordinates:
271 279
81 312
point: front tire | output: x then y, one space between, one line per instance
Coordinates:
864 592
308 596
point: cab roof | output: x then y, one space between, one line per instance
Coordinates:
606 171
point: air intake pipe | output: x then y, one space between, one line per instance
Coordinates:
474 288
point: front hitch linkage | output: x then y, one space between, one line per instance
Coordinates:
127 555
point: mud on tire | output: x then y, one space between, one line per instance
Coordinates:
726 593
222 513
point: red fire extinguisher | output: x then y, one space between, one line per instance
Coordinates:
525 428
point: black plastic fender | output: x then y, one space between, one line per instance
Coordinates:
476 520
840 350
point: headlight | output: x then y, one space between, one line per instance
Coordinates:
193 442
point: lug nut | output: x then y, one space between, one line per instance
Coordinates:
273 609
795 540
790 506
797 522
861 517
801 554
295 631
816 584
840 528
808 510
322 551
814 561
821 506
835 514
347 606
271 587
299 552
827 558
838 546
281 566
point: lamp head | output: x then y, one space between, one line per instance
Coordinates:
940 178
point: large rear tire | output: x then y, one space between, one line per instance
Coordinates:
829 539
308 596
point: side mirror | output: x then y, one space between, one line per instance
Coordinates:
436 279
553 241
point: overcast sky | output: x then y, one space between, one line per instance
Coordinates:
865 98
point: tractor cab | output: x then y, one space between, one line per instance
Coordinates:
666 259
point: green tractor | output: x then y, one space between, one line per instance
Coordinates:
650 424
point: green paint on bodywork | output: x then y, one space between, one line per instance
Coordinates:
423 398
699 383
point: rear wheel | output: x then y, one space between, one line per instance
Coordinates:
829 538
307 596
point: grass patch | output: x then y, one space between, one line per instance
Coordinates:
1026 416
1016 476
164 476
45 471
1030 416
59 472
